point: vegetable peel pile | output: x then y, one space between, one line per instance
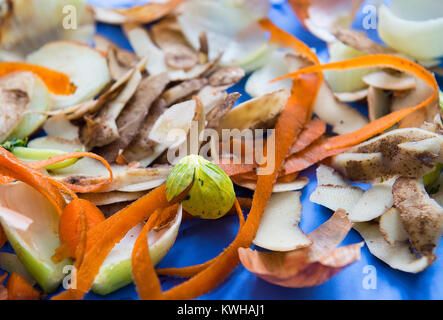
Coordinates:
138 141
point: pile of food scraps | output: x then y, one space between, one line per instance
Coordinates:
136 141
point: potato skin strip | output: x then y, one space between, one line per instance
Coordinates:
383 123
20 289
147 284
62 157
291 122
103 238
187 272
56 82
14 168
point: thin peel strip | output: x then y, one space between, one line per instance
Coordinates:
62 157
103 238
56 82
383 123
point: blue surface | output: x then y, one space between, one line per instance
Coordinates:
199 241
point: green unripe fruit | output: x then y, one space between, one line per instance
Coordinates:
211 195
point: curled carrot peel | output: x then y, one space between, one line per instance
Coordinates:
82 238
20 289
14 168
284 39
102 238
66 156
56 82
187 272
383 123
78 217
145 279
375 127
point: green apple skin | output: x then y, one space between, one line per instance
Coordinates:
35 246
116 271
47 275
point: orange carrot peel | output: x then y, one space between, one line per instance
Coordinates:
102 238
78 217
383 123
20 289
145 279
313 154
56 82
313 131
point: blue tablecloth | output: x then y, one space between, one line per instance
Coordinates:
199 241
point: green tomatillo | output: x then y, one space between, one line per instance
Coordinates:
211 192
